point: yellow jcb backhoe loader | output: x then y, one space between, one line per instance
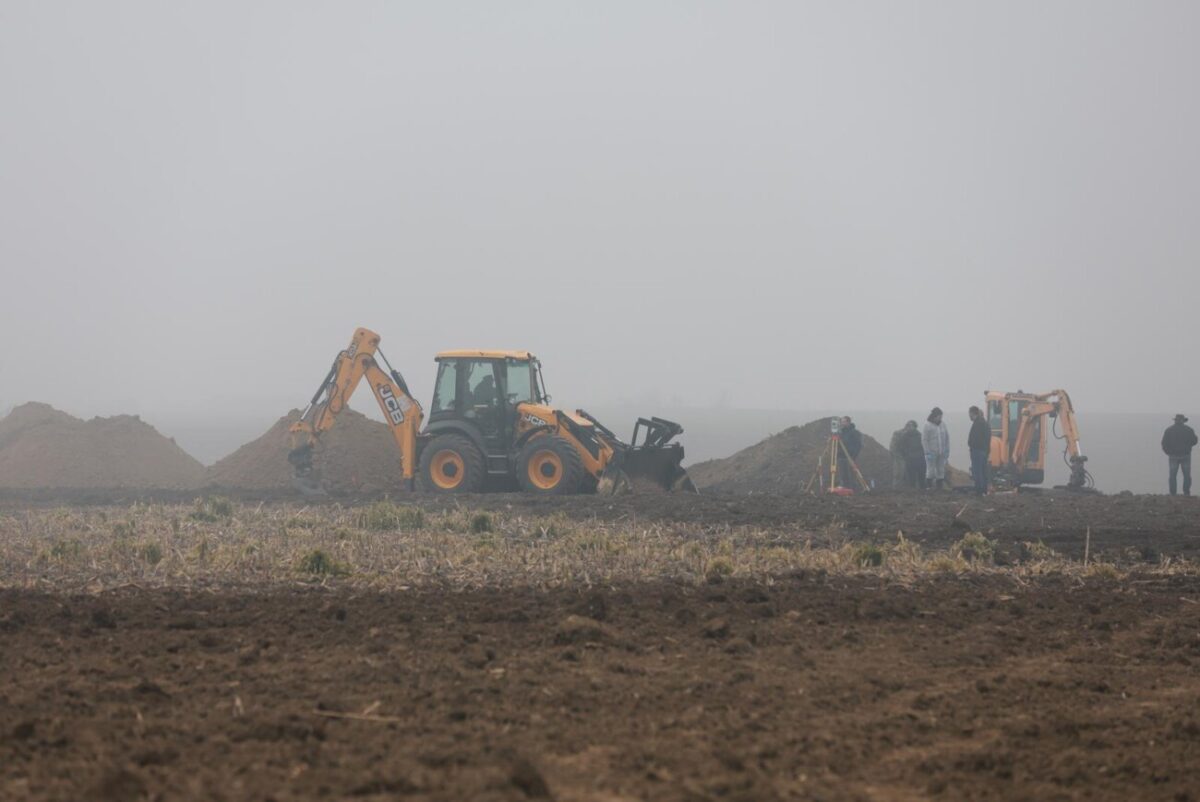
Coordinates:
490 417
1020 423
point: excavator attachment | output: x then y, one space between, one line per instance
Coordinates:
353 366
654 462
657 459
305 476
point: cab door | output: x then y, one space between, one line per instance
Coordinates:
998 452
483 401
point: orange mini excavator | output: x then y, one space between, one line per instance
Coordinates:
1020 423
490 417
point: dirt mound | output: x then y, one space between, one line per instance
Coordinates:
784 462
357 455
42 447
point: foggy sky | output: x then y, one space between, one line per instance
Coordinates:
793 205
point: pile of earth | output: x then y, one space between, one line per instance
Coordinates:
42 447
358 455
785 462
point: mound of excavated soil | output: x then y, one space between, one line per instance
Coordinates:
42 447
784 463
356 455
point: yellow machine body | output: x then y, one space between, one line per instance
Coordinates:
490 419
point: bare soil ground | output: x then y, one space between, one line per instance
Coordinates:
812 688
641 648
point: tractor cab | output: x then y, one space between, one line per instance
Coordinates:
479 391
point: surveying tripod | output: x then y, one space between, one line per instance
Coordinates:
835 450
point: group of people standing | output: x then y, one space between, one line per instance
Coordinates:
919 455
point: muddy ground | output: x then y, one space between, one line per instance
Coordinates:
814 687
808 686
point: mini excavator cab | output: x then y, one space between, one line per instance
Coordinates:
1020 424
1004 412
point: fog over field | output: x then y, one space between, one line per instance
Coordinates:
679 207
1123 448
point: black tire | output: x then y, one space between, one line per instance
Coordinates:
451 464
548 465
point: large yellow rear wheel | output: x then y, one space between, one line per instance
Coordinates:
451 464
549 465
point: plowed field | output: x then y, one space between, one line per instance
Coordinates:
932 679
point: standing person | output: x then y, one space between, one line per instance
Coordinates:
1177 443
899 464
852 440
980 443
908 457
935 438
914 455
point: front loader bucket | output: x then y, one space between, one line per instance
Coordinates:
658 465
655 462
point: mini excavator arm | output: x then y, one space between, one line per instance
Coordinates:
1055 404
401 412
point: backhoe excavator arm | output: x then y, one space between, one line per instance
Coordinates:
1053 404
401 411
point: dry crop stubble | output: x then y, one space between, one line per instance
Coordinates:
385 545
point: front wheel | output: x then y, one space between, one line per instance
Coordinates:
548 465
451 464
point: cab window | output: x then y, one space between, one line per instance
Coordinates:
481 385
995 417
1014 419
445 392
518 381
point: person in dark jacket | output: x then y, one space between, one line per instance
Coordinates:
908 457
1177 443
914 455
979 440
852 440
899 466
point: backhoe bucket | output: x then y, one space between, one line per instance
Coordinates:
305 477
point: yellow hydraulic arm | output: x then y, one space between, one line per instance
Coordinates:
1055 403
401 412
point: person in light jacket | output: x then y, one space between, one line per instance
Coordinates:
936 440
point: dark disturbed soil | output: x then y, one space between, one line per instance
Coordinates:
810 688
